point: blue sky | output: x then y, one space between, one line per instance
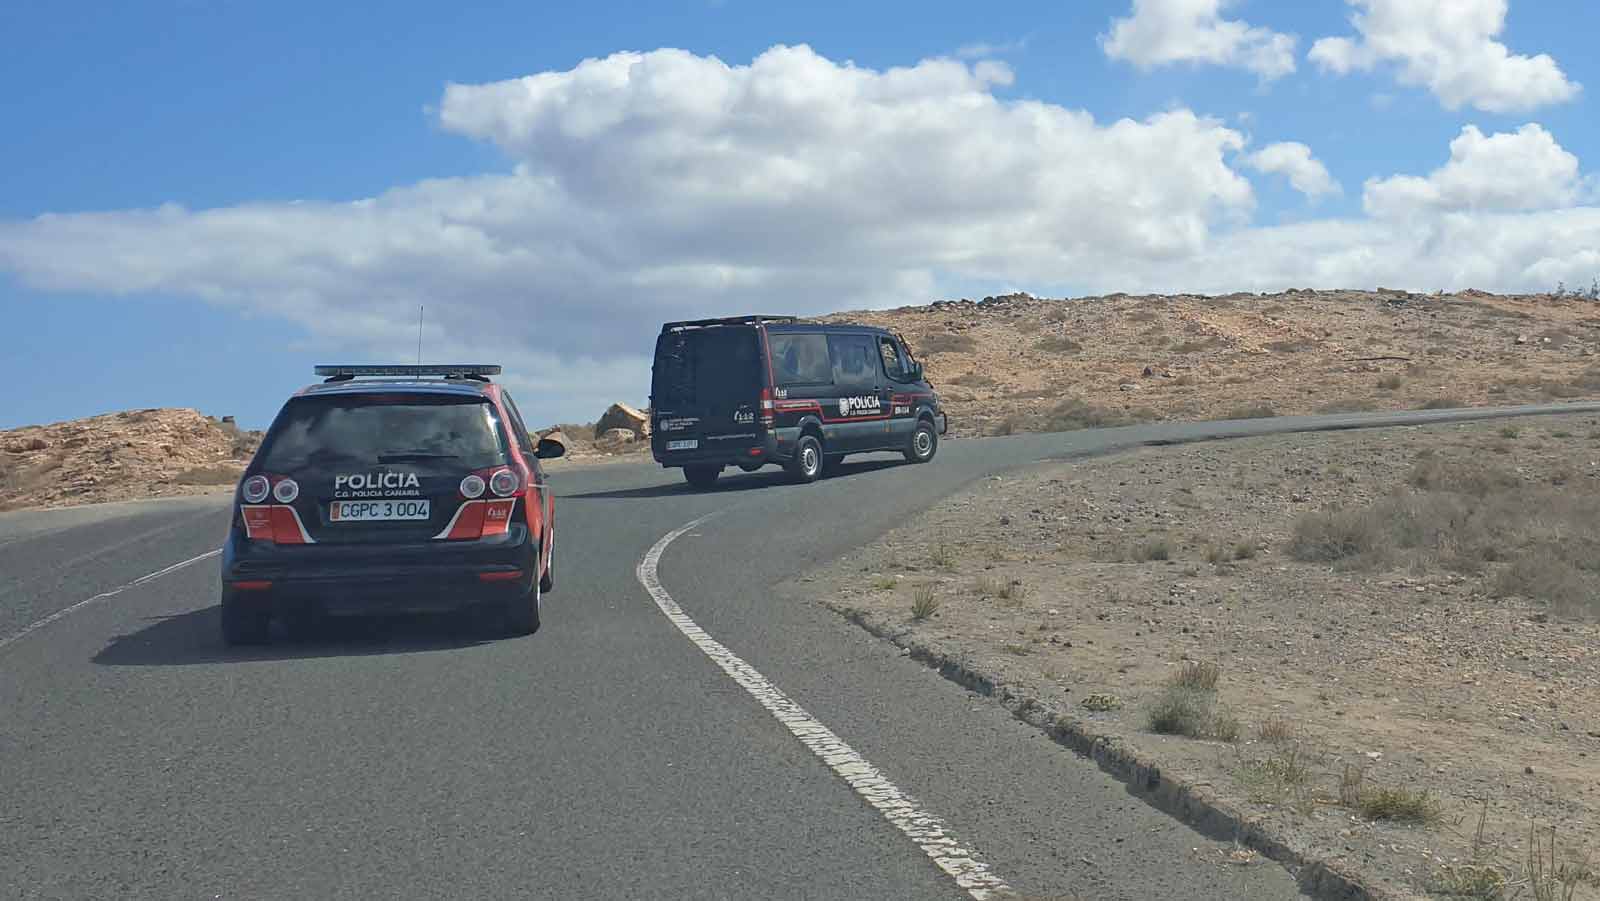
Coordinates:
217 106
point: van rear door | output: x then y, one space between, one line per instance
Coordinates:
705 391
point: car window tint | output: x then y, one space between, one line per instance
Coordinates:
855 362
463 433
706 366
801 359
891 359
519 428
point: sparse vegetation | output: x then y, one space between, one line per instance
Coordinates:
218 474
1391 383
974 380
1197 675
924 603
1256 411
1192 714
1443 403
1278 728
942 557
1154 549
1058 345
947 343
884 583
1401 805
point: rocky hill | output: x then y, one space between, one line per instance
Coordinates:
1020 363
121 456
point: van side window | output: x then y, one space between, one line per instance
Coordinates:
855 363
801 359
892 363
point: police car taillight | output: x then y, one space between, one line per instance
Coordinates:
472 487
255 489
504 483
767 417
286 491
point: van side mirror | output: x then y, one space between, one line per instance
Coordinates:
550 448
916 372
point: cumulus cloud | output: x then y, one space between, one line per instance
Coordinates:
1294 160
987 50
1506 172
1449 47
1163 32
652 186
643 187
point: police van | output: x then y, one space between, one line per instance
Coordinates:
750 391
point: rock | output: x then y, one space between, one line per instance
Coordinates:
616 436
622 416
1522 339
227 420
1128 386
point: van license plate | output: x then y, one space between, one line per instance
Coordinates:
377 511
688 444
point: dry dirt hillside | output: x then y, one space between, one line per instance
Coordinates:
1020 363
121 456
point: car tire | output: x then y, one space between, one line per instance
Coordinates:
923 443
547 582
702 477
522 611
806 466
244 623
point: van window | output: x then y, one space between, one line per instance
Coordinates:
892 364
855 363
800 359
711 366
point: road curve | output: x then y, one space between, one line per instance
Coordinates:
605 757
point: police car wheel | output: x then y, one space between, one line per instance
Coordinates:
924 443
702 476
547 582
807 463
522 611
244 622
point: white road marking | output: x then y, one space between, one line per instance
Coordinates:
4 642
902 811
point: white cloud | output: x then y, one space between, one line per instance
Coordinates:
1294 160
1506 172
986 50
664 185
1163 32
1449 47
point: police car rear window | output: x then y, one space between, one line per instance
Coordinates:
457 433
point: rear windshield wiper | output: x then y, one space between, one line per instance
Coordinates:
414 455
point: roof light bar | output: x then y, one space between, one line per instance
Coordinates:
457 370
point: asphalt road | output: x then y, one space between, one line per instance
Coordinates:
604 757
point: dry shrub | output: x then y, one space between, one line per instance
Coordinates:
216 474
1058 345
947 343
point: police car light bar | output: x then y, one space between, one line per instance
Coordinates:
448 370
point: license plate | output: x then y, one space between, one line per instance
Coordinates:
377 511
686 444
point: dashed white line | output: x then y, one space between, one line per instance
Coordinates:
4 642
902 811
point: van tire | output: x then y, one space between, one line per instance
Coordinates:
547 582
806 466
923 443
702 477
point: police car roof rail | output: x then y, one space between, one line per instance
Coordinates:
479 372
728 320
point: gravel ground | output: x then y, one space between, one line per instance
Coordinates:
1426 670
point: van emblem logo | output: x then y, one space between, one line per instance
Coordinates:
855 406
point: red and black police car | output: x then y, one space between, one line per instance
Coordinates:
391 489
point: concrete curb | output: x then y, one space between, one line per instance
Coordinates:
1200 809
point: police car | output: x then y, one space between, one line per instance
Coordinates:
390 489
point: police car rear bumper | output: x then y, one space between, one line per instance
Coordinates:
394 578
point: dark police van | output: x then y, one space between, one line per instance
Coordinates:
753 390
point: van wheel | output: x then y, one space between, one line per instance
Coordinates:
807 463
244 622
522 611
923 444
702 477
